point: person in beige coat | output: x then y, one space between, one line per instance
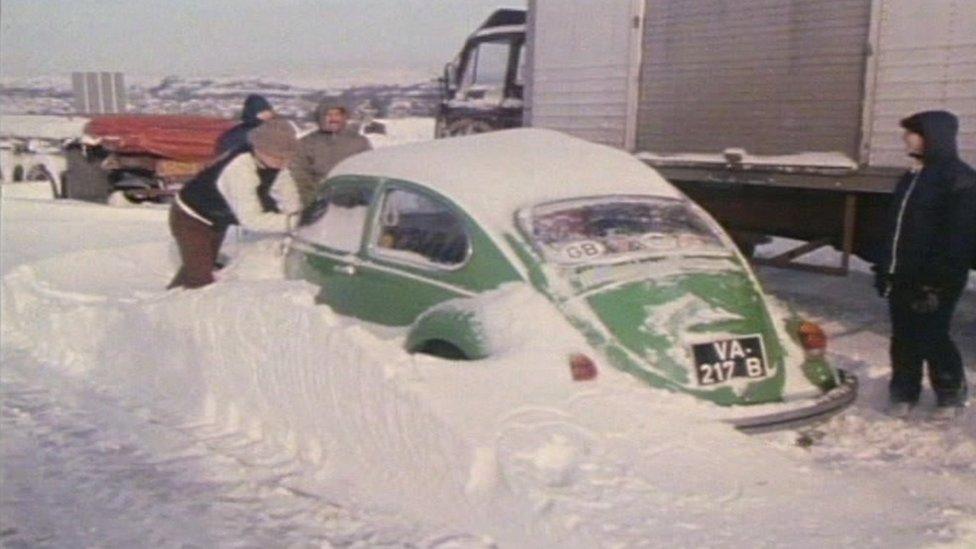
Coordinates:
319 151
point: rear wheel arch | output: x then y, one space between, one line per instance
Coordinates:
443 349
442 330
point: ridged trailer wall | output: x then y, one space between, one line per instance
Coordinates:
779 116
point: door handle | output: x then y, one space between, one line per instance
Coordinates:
348 270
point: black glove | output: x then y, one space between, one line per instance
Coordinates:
926 300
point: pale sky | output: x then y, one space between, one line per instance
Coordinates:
235 37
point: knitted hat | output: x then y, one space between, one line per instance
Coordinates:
276 137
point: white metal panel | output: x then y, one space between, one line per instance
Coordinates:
774 77
925 58
585 62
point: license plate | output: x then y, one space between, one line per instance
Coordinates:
723 360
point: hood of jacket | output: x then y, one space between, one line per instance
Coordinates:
326 104
939 129
254 105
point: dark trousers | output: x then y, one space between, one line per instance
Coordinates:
918 338
199 244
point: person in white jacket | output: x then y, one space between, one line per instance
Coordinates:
248 187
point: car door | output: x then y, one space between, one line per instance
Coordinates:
326 245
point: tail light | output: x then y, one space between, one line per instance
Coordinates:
812 338
582 367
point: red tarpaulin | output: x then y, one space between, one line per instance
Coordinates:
175 137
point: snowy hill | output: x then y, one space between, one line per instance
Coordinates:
414 94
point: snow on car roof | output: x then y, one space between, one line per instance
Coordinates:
493 175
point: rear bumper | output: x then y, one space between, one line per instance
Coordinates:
833 402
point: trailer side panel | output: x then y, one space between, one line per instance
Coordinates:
771 76
582 54
924 58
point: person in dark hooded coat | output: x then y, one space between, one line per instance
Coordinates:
930 248
256 110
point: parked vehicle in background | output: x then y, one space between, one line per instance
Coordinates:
138 157
613 263
482 87
780 118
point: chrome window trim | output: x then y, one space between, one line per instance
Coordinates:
306 247
373 251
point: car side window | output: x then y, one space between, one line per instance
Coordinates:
420 229
337 218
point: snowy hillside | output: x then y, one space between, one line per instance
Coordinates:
246 414
386 93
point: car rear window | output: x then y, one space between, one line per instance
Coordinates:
609 229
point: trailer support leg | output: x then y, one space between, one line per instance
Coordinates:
787 259
850 215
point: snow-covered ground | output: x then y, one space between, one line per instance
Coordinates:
403 130
41 136
245 415
41 127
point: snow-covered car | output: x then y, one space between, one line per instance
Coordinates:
428 236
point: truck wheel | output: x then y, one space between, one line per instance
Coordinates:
122 199
467 126
135 189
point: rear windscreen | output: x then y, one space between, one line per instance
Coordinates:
610 229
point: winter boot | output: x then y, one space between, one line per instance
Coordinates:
946 413
900 410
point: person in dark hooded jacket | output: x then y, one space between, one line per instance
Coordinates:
256 110
930 248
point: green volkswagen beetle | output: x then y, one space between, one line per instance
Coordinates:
422 236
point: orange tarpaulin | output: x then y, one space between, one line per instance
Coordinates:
175 137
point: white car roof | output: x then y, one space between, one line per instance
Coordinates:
493 175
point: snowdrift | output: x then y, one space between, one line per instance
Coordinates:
508 447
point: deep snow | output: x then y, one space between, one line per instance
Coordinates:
243 414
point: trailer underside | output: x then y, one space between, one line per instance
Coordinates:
844 210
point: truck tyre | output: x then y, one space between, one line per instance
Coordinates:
122 199
467 126
132 188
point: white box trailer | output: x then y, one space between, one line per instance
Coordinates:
772 77
779 116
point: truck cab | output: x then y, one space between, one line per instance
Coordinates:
482 88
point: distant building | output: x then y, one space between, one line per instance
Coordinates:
98 92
